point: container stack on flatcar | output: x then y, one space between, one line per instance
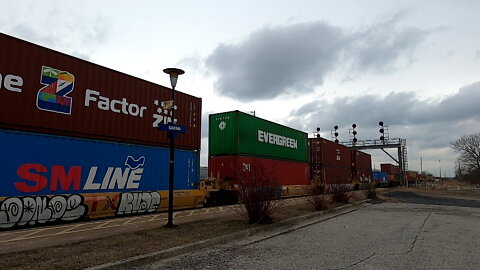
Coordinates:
242 146
330 162
413 177
361 167
82 138
392 171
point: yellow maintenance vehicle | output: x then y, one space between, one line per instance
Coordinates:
218 191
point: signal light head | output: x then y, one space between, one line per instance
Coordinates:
354 139
354 125
354 132
318 129
382 138
380 123
336 134
335 127
336 140
381 130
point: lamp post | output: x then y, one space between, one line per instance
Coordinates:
174 73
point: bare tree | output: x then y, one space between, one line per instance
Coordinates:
469 148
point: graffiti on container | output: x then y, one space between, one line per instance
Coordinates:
21 211
164 112
102 203
138 202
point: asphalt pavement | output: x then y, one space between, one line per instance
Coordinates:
420 232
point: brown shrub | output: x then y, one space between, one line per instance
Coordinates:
370 192
318 199
340 193
257 192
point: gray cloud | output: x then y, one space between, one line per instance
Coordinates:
397 109
274 61
296 58
379 47
429 127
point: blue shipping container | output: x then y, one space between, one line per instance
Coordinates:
380 177
34 164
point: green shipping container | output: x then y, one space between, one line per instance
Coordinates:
233 133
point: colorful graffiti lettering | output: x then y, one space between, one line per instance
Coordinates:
57 85
40 209
138 202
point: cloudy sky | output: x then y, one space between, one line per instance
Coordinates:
414 65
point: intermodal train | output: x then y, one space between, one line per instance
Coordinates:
80 141
242 145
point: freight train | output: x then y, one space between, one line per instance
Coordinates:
243 146
80 141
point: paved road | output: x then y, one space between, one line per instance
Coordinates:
421 234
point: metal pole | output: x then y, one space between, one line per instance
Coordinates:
172 167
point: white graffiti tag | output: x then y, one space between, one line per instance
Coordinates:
138 202
41 209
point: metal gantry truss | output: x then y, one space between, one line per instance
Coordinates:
400 144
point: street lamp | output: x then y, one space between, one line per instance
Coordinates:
174 73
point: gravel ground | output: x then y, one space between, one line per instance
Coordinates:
382 236
431 230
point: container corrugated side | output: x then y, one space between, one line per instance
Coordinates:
323 151
47 178
336 175
34 164
390 169
49 92
237 133
281 172
361 166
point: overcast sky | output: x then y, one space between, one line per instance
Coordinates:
414 65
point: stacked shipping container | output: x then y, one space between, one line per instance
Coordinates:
241 145
392 171
92 111
330 163
361 166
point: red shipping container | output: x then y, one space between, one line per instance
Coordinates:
330 162
323 151
361 166
389 169
283 173
45 91
335 175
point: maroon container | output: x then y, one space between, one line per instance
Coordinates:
327 152
361 166
42 90
282 172
390 169
330 162
336 175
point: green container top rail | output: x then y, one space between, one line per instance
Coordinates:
238 133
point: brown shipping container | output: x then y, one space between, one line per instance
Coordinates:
335 175
45 91
323 151
361 165
389 168
283 173
330 162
